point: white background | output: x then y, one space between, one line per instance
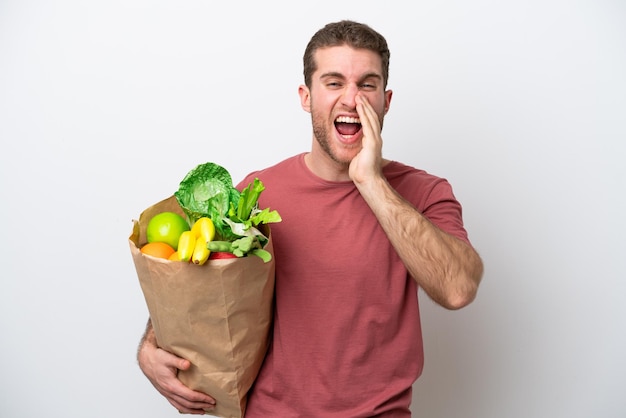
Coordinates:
105 106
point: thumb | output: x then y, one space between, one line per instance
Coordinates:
172 360
183 364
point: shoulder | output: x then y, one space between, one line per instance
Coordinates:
401 175
273 172
430 194
423 189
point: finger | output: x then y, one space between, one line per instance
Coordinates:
193 411
187 397
182 364
180 396
190 402
371 127
368 115
172 361
369 124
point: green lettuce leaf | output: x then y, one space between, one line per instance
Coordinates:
207 190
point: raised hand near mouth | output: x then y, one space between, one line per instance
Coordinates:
367 164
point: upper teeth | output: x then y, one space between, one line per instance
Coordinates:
347 119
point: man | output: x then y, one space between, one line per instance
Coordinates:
359 235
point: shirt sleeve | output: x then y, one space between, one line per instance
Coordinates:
442 208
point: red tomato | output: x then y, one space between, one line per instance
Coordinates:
221 255
217 255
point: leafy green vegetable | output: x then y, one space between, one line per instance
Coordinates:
247 213
241 247
249 198
208 190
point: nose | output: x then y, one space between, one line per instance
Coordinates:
348 98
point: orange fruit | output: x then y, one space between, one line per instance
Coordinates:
174 257
158 249
166 227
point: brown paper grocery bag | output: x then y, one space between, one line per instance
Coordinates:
218 315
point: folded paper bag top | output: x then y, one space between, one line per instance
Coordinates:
217 315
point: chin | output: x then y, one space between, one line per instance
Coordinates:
345 153
343 158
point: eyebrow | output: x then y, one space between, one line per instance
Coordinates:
331 74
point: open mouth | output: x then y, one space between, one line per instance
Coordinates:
347 126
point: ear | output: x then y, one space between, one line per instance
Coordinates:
305 98
388 95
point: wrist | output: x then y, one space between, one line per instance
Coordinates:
373 186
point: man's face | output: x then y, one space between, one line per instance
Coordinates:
343 73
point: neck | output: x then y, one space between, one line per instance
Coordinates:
326 168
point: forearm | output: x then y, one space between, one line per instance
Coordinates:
447 268
148 338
